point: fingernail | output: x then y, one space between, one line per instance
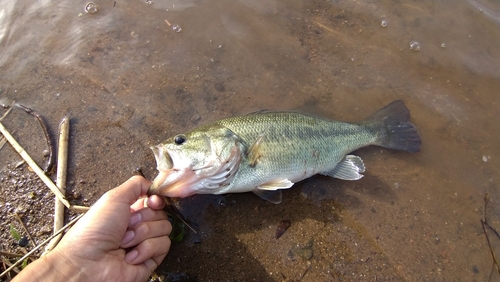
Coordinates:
149 202
131 256
135 218
129 236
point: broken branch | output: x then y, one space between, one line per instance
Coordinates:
34 166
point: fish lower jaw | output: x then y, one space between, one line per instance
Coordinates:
176 183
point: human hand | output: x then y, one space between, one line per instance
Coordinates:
95 248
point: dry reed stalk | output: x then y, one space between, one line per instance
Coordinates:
62 165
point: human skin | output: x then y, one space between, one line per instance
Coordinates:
95 248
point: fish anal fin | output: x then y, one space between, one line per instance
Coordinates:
349 168
270 196
276 184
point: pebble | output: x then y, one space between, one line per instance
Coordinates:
305 252
77 195
23 242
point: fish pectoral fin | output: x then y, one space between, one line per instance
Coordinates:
270 196
253 152
349 168
276 184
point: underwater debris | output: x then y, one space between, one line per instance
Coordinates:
43 124
282 227
494 247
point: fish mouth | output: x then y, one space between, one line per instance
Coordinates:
174 178
163 157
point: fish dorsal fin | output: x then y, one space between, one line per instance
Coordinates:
264 111
270 196
349 168
276 184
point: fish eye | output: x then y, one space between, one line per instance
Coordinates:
179 139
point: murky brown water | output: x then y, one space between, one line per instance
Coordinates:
128 80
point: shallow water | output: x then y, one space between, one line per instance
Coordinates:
129 80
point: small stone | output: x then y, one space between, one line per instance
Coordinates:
475 269
20 210
23 242
305 252
44 230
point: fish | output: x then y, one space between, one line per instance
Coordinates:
266 152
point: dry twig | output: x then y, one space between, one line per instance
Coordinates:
34 166
172 209
7 254
6 113
6 262
43 124
62 164
487 228
76 208
25 229
3 140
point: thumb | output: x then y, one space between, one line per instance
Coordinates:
130 190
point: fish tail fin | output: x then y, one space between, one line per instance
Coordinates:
397 132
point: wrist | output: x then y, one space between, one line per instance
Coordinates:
52 267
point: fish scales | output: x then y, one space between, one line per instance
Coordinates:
296 143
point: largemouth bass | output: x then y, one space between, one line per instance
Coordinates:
265 152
